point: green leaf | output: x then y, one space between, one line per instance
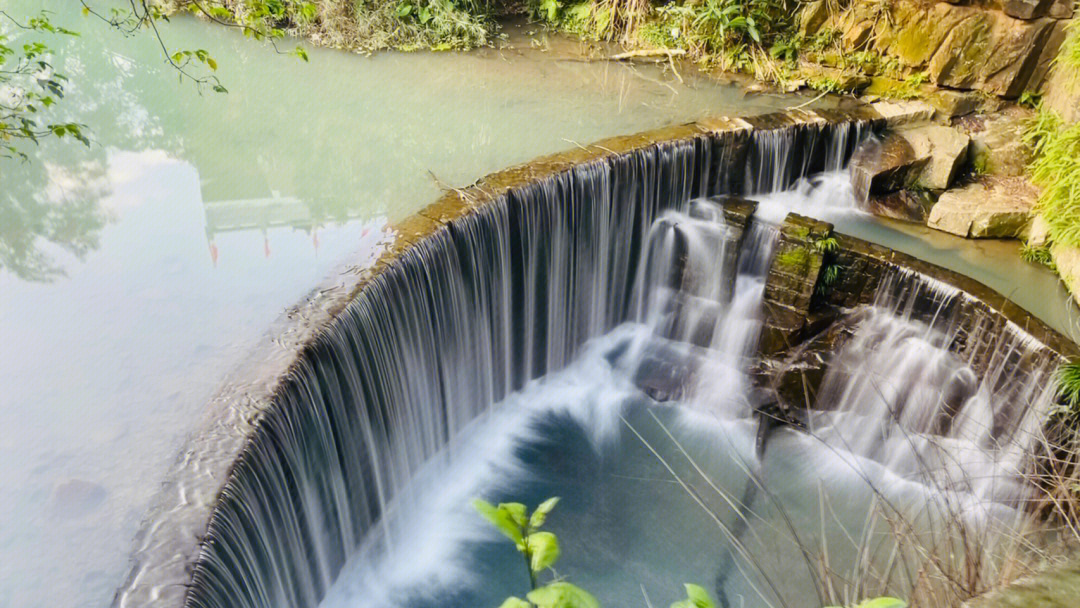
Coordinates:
515 602
539 516
501 519
517 511
696 597
544 548
883 602
211 63
562 595
404 9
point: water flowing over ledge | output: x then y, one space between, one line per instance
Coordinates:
483 291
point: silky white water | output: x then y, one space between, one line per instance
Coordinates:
658 493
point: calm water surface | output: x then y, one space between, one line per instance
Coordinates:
137 273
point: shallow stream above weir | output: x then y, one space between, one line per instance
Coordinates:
174 242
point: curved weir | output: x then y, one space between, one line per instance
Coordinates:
503 283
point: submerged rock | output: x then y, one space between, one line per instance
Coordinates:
985 209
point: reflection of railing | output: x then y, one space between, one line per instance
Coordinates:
256 213
261 214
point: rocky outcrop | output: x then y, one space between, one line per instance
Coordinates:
997 143
894 176
1001 50
985 209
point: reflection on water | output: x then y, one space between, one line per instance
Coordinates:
137 272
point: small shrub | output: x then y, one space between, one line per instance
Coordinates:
541 550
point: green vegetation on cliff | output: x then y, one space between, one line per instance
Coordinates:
1056 147
1056 169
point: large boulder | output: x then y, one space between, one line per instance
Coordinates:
989 208
997 144
882 166
944 147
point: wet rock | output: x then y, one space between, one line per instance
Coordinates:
882 166
985 209
1050 49
903 112
666 369
1060 94
904 205
946 149
737 210
1061 9
790 282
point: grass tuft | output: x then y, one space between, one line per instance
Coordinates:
1056 169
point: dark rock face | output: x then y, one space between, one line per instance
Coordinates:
884 166
904 205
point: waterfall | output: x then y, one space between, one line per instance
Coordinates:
928 390
467 316
627 263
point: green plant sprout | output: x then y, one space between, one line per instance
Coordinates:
541 550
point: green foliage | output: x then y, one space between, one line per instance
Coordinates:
878 602
1068 57
30 87
696 597
830 270
541 551
728 29
1038 255
1067 379
1030 99
824 84
796 258
1056 169
826 244
908 88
